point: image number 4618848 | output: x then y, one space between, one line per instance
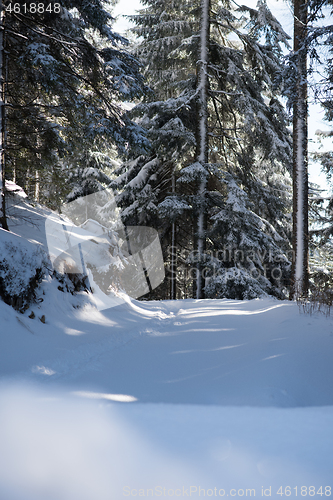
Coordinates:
33 8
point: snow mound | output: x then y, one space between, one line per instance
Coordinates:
22 266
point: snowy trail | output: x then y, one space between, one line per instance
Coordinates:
72 336
256 353
87 401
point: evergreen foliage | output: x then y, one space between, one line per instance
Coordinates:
67 74
249 143
206 154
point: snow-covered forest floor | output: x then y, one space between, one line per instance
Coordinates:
193 398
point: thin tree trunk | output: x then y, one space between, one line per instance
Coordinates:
300 274
202 141
2 116
173 245
36 186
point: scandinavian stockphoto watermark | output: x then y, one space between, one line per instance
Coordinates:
200 492
229 263
186 491
89 239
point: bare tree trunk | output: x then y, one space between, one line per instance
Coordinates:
2 115
36 186
202 141
173 245
300 274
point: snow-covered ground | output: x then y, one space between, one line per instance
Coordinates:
189 399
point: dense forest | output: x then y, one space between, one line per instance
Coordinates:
197 123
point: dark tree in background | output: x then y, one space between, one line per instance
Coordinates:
67 76
3 219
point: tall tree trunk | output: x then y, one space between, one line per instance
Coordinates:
202 141
2 115
300 274
173 244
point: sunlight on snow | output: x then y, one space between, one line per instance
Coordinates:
72 331
91 315
275 356
122 398
213 349
230 312
42 370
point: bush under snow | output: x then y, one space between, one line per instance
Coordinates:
22 266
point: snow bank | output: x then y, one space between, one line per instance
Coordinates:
22 265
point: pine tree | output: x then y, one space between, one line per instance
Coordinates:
4 224
246 126
68 74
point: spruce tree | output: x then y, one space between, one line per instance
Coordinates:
3 219
68 74
249 144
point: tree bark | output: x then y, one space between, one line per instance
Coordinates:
300 271
173 266
3 115
202 142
